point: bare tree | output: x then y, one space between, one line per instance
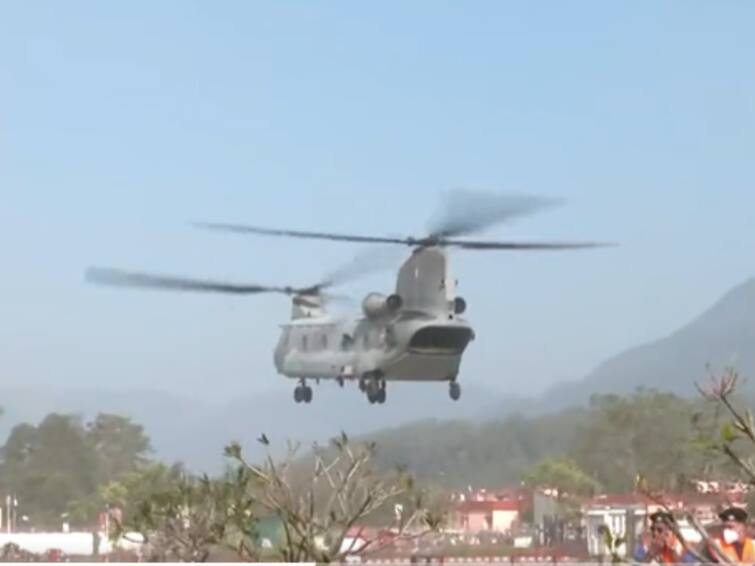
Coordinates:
324 503
722 390
324 515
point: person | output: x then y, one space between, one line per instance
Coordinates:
734 543
662 546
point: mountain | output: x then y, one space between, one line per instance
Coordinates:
723 336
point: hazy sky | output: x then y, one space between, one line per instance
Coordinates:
122 122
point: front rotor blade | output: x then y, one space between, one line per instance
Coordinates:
523 246
464 211
302 234
118 278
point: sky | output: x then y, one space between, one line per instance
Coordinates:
123 123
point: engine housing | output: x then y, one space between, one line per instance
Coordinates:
376 305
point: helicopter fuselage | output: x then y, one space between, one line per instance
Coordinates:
417 334
416 347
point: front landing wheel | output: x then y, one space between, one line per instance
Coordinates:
454 391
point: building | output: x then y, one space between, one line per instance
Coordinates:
490 511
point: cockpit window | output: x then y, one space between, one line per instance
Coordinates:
441 339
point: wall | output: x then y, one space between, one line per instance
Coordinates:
503 520
478 521
79 544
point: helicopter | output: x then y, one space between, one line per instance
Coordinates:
415 333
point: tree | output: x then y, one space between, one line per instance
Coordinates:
120 445
563 475
129 493
342 492
736 439
649 432
317 502
48 466
186 518
57 466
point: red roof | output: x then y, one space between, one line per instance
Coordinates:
487 506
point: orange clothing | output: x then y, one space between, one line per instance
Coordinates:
671 555
674 554
731 551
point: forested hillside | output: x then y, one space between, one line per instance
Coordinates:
612 440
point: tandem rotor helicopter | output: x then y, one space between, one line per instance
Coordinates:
417 333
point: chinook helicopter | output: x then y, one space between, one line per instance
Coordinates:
416 333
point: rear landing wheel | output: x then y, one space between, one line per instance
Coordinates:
303 394
454 391
376 396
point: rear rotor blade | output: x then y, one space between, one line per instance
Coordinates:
465 211
118 278
523 246
364 263
302 234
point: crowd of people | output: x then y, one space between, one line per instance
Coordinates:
661 544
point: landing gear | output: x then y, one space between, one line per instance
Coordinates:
377 396
454 390
373 385
303 393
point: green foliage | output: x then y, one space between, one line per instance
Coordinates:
185 518
57 466
648 433
562 474
459 454
615 438
119 443
138 485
